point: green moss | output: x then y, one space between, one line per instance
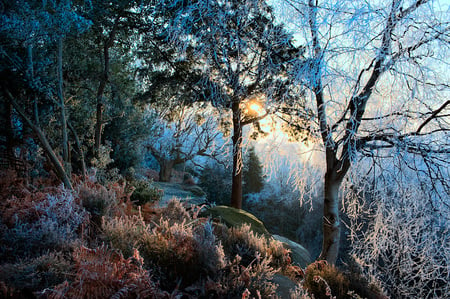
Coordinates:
235 218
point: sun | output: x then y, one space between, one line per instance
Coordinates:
255 107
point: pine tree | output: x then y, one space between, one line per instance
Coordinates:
253 176
242 52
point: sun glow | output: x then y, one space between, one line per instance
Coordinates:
256 108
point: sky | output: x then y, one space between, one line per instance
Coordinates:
277 141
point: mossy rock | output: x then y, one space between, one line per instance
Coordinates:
232 217
299 254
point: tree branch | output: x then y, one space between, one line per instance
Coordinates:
432 116
58 167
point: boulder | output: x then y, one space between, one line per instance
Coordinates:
232 217
300 256
284 285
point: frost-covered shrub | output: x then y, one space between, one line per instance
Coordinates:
211 253
251 281
97 200
124 233
172 249
175 212
184 251
177 246
105 273
144 192
244 242
57 224
325 281
101 170
299 293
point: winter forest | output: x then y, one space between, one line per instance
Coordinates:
224 149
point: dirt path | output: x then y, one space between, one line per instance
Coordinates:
184 193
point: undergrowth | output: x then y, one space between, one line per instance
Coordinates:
95 242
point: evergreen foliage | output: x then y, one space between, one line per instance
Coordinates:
253 173
215 181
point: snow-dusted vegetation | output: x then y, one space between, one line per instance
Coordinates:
224 149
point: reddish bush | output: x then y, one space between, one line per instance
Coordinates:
104 273
325 281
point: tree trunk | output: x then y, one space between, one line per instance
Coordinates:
101 87
99 116
31 77
57 166
236 186
331 221
80 151
65 139
165 170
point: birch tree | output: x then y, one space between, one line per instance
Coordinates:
376 80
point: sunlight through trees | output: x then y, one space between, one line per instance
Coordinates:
296 104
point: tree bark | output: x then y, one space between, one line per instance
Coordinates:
31 77
99 106
101 87
80 150
331 220
165 170
236 183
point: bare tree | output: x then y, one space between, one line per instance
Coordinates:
182 135
376 82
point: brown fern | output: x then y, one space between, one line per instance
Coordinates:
105 273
